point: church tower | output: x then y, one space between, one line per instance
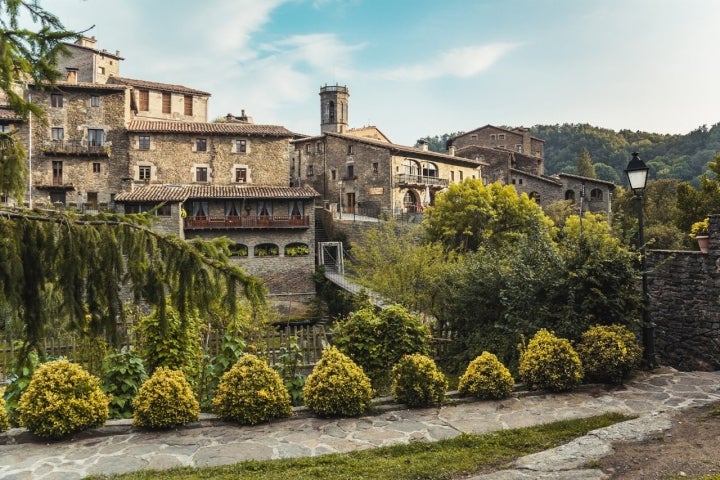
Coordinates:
334 109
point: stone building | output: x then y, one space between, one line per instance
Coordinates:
359 171
271 228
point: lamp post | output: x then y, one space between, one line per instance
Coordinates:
637 172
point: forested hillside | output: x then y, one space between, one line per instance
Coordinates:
682 157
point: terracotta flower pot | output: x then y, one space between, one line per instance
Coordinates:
703 242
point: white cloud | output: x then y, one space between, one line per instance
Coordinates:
458 62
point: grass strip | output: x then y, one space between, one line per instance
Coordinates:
444 459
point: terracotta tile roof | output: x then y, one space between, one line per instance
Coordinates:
7 113
180 193
585 179
402 149
64 85
150 126
167 87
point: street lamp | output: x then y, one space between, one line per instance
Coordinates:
637 172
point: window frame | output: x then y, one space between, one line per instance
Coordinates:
166 102
188 105
93 137
57 134
201 174
56 100
144 173
144 100
143 142
96 168
241 145
241 175
201 142
94 100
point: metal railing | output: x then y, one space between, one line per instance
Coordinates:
248 221
408 179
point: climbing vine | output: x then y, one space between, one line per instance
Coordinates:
94 263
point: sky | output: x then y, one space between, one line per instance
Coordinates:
417 68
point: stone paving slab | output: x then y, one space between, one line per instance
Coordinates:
119 448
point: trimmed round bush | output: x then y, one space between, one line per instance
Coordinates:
251 392
337 387
417 382
165 400
550 363
486 378
4 420
609 353
62 399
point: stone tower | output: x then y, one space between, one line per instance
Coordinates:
334 109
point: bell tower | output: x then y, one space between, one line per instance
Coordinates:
334 109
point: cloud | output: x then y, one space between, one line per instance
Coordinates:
458 62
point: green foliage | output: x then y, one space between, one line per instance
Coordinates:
13 167
175 345
22 369
266 250
288 366
232 348
417 270
165 400
29 55
62 399
486 378
337 386
438 143
4 419
470 215
417 382
584 166
700 228
550 363
251 392
86 261
609 353
296 250
376 341
122 373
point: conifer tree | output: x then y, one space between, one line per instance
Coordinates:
585 167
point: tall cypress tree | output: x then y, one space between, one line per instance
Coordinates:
585 167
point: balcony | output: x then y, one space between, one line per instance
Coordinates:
408 180
222 222
59 148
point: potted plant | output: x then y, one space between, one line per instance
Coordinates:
699 231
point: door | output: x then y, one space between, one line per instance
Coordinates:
350 205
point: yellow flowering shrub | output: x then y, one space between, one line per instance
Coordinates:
609 353
62 399
550 363
251 392
165 400
4 421
337 386
487 378
417 382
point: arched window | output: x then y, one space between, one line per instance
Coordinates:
430 170
535 196
410 201
238 250
411 167
596 195
267 250
331 111
570 195
297 249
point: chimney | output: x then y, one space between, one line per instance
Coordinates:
423 145
450 148
72 75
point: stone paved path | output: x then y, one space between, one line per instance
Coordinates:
118 448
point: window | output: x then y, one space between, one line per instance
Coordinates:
452 175
166 104
58 134
375 168
241 146
94 101
333 174
96 137
350 171
144 100
188 104
518 148
430 170
501 136
164 210
460 173
307 148
319 147
96 167
201 145
596 195
56 100
241 175
492 137
144 142
144 173
310 171
101 70
473 137
410 167
5 128
351 149
57 172
201 174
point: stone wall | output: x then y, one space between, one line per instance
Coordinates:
684 304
